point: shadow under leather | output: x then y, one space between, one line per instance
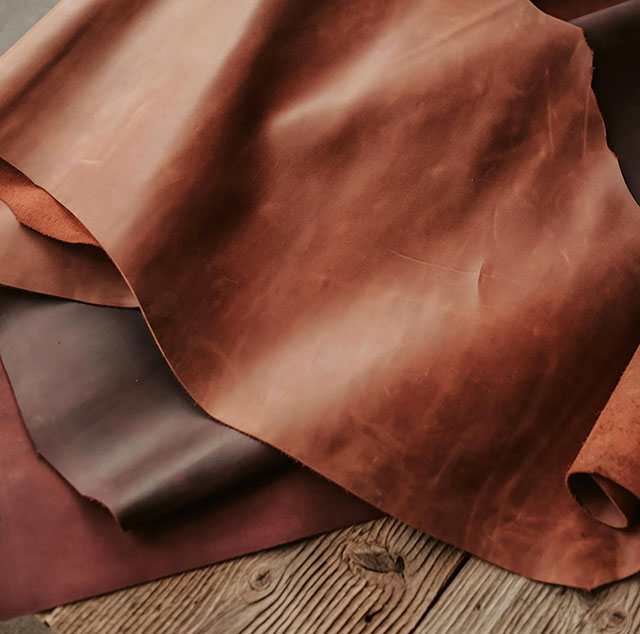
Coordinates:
104 409
571 9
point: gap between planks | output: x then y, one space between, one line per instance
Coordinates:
485 598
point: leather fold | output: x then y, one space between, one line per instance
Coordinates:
605 477
34 262
36 209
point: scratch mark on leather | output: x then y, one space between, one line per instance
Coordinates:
585 130
427 263
549 114
480 273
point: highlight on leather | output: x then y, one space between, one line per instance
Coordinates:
397 255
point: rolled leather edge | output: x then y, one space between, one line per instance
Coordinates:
603 499
605 476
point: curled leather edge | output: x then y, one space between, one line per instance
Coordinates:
604 478
31 261
38 210
105 412
63 260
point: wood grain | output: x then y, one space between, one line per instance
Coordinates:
485 598
377 577
381 576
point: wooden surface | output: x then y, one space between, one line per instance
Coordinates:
377 577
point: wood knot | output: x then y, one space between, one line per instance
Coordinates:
261 579
377 559
612 620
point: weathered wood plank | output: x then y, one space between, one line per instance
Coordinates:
381 576
377 577
484 598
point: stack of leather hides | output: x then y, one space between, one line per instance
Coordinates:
270 268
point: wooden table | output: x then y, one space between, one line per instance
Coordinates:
377 577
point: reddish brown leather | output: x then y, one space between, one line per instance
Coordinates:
365 234
34 262
36 209
56 546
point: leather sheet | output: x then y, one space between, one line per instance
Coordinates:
57 546
101 404
359 232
